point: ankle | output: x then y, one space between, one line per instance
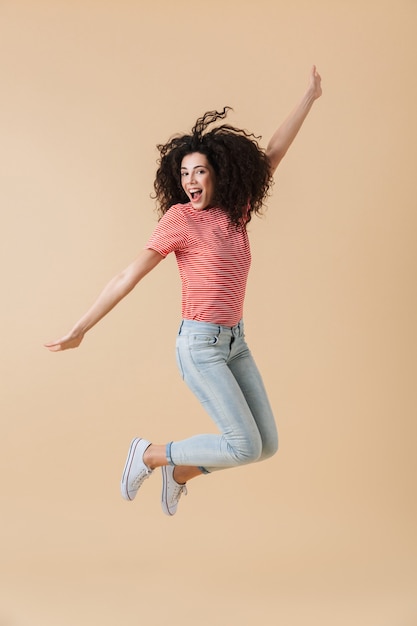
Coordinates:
178 476
154 456
184 473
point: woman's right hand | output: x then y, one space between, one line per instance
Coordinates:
114 291
65 343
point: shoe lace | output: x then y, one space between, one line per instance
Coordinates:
178 491
143 475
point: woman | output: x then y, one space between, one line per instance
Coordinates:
207 186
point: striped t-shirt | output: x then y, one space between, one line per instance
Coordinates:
213 259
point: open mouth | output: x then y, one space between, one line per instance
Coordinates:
195 194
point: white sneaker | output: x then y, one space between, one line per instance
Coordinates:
135 470
171 490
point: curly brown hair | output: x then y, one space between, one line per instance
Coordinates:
242 169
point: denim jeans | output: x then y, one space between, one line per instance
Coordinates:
218 367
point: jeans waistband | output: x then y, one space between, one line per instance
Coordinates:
195 326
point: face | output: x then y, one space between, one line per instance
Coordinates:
198 180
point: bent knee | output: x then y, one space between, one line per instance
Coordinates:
248 453
269 449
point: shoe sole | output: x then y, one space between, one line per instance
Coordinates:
125 475
165 491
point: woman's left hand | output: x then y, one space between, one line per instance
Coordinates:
315 83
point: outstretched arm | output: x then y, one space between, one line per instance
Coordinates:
114 291
286 133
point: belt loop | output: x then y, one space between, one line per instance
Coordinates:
180 328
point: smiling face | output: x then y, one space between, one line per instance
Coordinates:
198 180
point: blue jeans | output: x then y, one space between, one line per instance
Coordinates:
218 367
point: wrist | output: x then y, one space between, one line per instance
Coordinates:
309 97
78 331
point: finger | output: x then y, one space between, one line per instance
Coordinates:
54 346
314 72
51 343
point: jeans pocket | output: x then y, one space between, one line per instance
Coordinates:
203 341
205 350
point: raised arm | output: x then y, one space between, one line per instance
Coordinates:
114 291
286 133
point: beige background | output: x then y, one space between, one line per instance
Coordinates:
325 533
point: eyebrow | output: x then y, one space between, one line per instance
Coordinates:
193 168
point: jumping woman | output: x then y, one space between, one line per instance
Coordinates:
207 186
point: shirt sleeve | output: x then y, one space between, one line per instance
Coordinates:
170 233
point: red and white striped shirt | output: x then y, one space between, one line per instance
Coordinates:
213 259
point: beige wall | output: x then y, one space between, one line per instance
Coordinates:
325 533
